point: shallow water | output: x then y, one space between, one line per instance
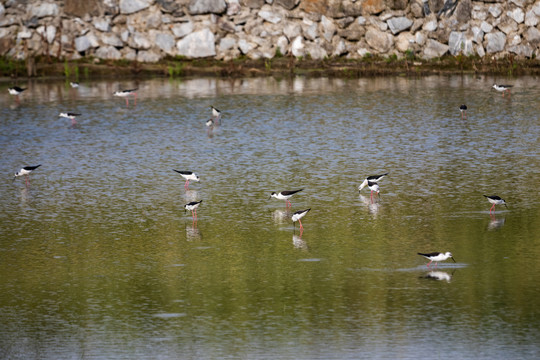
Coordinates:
99 260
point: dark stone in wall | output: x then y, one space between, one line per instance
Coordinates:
253 4
80 8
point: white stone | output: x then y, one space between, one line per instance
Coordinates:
270 16
148 56
430 25
480 50
245 46
102 24
533 36
521 50
311 31
517 15
459 44
233 7
85 42
361 20
479 13
328 27
292 29
282 44
420 38
434 49
486 27
140 41
165 42
495 42
379 40
404 41
197 7
24 34
183 29
133 6
536 8
124 35
516 40
108 53
399 24
2 9
531 19
316 52
197 44
111 39
42 10
297 47
227 43
495 10
362 52
50 33
478 34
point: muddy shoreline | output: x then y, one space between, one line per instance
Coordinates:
278 67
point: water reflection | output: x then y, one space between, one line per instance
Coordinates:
438 275
495 224
281 216
192 232
298 243
373 207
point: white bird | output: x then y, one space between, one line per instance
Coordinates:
284 195
495 200
188 175
372 178
192 206
437 257
503 88
25 171
298 215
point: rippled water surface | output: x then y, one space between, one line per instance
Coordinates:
98 259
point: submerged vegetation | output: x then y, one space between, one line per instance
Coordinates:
369 64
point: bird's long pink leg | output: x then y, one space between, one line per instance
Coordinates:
127 102
287 203
186 185
301 227
429 263
26 180
491 208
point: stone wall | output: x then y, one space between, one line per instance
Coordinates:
149 30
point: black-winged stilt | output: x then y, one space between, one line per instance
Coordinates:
126 93
503 88
284 195
192 206
298 215
372 178
16 91
374 187
188 175
495 200
216 114
71 116
437 256
25 171
463 110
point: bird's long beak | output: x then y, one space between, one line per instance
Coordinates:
505 205
453 259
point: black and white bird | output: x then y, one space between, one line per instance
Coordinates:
210 123
373 179
437 257
74 84
298 215
284 195
71 116
15 90
495 200
503 88
216 114
463 110
374 187
25 171
188 175
192 206
126 93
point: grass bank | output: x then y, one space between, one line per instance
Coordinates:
369 65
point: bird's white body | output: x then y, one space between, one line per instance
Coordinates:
25 171
502 88
373 178
495 200
189 176
299 214
437 257
192 205
374 187
284 195
210 122
74 84
124 93
15 90
68 115
215 112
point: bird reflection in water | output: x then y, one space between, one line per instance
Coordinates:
438 275
193 233
299 243
191 195
495 224
373 207
280 216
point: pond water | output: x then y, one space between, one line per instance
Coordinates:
98 259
